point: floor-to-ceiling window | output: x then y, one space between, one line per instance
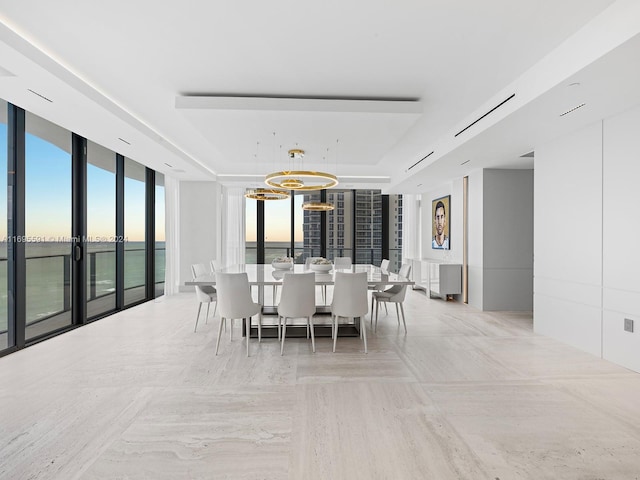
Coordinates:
340 224
298 227
395 232
277 229
4 312
311 228
368 226
47 226
71 209
134 232
101 230
354 228
160 249
251 234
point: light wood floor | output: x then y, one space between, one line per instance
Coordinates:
465 395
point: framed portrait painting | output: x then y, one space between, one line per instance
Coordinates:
440 214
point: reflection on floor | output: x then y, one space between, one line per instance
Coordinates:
465 395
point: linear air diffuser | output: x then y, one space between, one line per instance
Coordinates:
490 111
419 161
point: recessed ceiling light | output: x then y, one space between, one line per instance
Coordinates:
170 166
124 141
463 163
574 84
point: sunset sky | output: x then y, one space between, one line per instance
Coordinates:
277 214
48 196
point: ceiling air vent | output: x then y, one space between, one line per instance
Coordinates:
573 109
41 96
490 111
419 161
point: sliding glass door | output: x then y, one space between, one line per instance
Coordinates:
81 229
101 230
47 239
4 307
160 250
134 232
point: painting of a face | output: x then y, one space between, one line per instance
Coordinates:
440 214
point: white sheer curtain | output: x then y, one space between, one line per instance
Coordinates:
411 247
233 226
172 235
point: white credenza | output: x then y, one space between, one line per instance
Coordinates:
437 277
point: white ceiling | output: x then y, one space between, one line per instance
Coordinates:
367 88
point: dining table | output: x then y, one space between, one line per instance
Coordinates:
264 275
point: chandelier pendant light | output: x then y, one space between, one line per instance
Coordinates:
266 194
263 194
300 180
317 206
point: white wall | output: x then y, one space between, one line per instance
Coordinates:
507 263
568 239
453 188
585 243
199 225
621 232
455 253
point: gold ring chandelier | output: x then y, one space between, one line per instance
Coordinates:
317 206
300 180
266 194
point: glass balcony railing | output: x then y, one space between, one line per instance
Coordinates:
48 285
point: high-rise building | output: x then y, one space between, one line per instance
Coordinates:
368 226
395 232
355 222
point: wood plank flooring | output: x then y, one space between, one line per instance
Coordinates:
464 395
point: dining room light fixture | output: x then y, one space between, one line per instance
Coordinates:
301 180
317 206
266 194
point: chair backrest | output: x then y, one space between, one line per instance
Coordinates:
234 295
384 265
215 265
399 291
350 295
198 269
405 270
342 262
298 298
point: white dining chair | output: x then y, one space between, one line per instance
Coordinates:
394 294
341 263
215 265
297 300
349 301
205 293
234 297
323 288
384 266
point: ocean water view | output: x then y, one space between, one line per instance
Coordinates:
48 274
273 250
